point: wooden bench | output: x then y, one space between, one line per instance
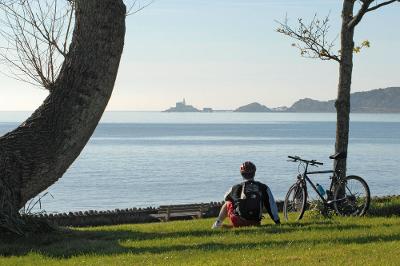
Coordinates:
166 212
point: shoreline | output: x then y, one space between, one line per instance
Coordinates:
142 215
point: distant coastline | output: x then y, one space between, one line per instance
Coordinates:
374 101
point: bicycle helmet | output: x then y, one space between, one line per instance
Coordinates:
248 170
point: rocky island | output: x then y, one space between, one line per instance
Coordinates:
253 108
182 107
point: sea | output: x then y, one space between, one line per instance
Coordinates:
143 159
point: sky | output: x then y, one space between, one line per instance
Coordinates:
224 54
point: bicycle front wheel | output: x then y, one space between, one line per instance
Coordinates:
352 197
295 203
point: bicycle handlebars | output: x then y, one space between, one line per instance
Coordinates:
312 162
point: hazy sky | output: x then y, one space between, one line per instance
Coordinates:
223 54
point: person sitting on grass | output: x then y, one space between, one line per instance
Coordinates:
244 202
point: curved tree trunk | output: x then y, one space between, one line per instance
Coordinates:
36 154
345 73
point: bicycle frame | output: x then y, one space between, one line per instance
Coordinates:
304 177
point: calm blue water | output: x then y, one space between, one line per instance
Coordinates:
138 159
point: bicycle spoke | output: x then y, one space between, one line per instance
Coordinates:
352 197
294 203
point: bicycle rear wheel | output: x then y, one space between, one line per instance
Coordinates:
295 203
352 197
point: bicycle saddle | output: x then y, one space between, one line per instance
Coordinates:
338 156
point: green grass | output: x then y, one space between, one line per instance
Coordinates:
337 241
385 206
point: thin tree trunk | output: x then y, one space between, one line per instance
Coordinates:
36 154
345 73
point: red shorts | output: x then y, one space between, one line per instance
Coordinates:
238 221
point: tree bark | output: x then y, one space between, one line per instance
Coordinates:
345 74
36 154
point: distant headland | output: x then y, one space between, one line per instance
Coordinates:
375 101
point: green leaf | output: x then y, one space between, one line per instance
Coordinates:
366 43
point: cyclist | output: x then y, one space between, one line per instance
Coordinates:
244 202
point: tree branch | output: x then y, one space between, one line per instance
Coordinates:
381 5
365 8
312 37
360 14
136 6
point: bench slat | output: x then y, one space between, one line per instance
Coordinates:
168 211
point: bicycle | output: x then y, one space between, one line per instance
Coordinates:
347 196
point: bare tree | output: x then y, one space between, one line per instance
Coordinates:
71 48
313 42
36 36
37 153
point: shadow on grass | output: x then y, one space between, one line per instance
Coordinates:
385 207
66 244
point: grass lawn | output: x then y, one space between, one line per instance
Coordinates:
347 241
